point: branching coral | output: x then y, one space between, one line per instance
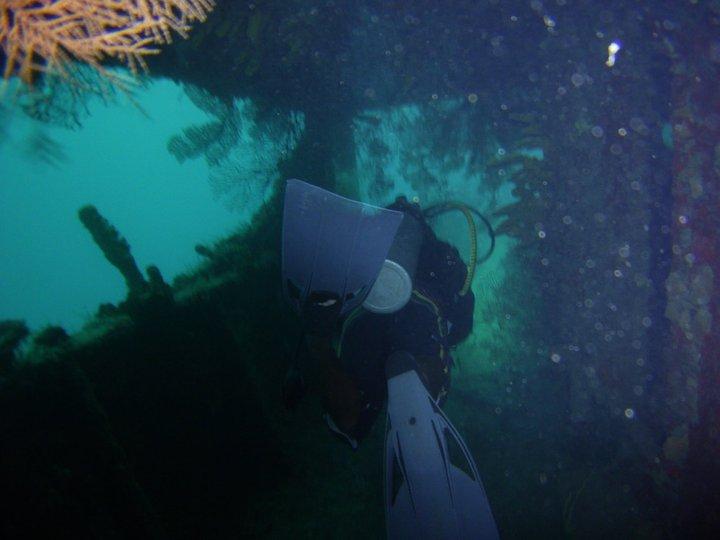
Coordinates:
531 208
243 146
46 35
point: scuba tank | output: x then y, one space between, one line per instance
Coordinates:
394 284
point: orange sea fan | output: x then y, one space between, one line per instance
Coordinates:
44 35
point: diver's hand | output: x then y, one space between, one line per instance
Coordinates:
293 388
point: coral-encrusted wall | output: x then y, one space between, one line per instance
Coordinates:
693 360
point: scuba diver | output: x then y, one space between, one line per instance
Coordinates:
382 301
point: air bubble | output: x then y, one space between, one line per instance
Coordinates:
577 79
637 124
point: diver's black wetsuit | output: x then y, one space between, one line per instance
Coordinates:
436 318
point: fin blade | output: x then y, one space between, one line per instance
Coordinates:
436 499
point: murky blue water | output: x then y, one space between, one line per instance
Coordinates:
586 133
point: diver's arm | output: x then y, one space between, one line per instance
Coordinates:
293 387
310 351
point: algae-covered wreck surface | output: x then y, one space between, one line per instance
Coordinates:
586 135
